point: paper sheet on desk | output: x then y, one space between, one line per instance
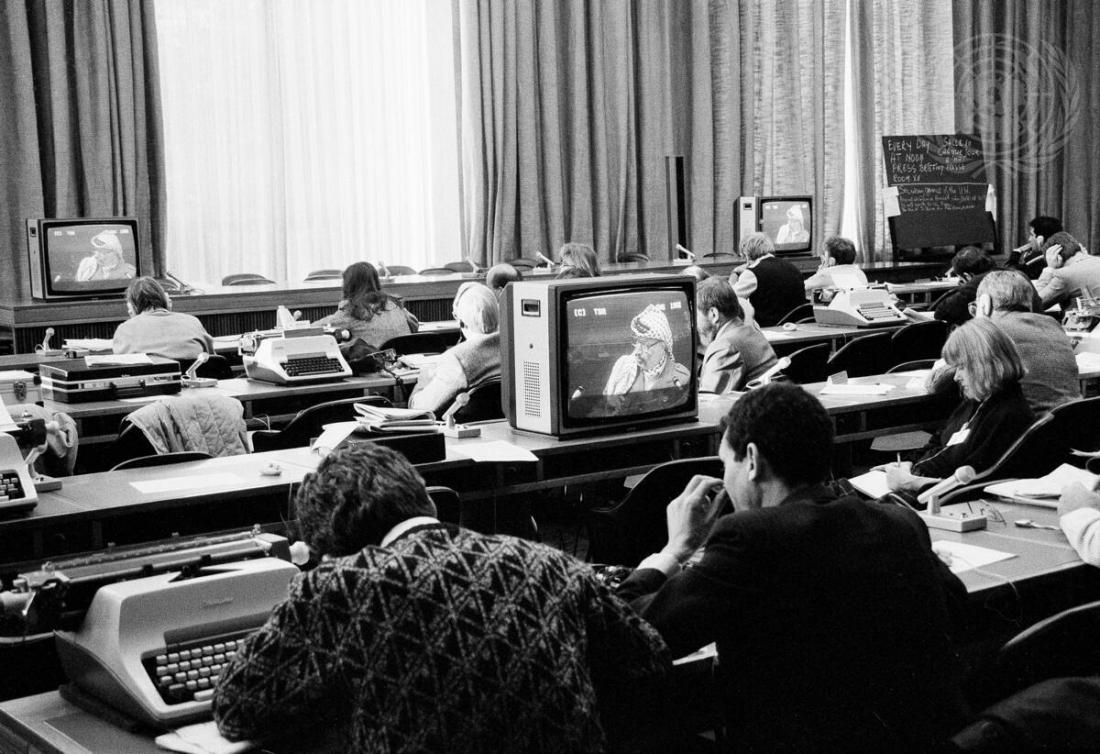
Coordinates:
966 557
90 344
1087 361
202 738
118 358
852 388
184 483
493 451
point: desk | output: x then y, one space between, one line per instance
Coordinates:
784 342
921 291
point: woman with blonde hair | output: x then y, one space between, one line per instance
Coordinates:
992 415
578 260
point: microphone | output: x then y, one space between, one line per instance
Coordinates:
779 366
542 257
192 371
472 263
297 314
930 497
1021 249
191 377
449 416
382 271
46 340
690 254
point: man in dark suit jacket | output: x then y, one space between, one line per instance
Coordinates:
832 616
737 352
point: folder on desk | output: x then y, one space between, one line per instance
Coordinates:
1044 491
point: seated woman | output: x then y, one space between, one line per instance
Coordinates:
578 260
369 313
471 363
154 328
992 415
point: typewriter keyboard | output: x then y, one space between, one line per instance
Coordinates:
188 672
10 486
874 312
312 365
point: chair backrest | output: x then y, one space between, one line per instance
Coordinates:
800 312
625 533
310 422
523 263
460 266
634 256
1060 646
720 254
869 354
216 367
484 404
1043 447
808 364
919 340
448 508
399 269
417 342
325 275
246 278
164 459
909 366
436 271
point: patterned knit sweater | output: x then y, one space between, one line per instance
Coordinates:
445 640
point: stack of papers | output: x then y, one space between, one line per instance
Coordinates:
851 388
1088 361
386 419
1043 491
419 360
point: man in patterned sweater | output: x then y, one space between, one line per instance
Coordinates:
415 636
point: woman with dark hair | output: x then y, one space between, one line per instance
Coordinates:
369 313
154 328
578 260
992 415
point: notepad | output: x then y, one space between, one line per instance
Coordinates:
872 484
964 557
1045 490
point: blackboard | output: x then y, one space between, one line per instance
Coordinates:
941 190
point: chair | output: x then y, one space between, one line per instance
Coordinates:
216 367
198 420
164 459
633 256
797 314
624 533
433 271
910 366
484 404
399 269
1043 447
1060 646
920 340
448 508
462 266
808 364
713 254
866 355
523 263
417 342
246 278
310 422
325 275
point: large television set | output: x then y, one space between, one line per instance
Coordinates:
589 355
787 220
82 258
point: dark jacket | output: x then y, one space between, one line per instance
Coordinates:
992 426
833 621
778 290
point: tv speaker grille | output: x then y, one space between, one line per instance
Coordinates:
532 389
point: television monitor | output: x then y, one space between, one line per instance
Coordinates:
588 355
82 258
787 221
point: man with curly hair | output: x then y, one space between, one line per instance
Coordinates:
413 635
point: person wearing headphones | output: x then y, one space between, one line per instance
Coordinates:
471 363
153 327
1029 258
1071 271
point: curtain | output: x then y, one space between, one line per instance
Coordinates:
1025 81
303 135
569 110
902 66
81 122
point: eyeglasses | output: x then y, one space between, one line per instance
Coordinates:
645 343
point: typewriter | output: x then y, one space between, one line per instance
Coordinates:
293 357
147 630
861 308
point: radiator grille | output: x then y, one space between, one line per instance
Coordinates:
532 389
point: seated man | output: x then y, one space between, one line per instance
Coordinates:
772 285
1071 271
1029 258
412 635
1051 377
970 264
736 352
838 267
832 616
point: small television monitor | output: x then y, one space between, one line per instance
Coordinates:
788 221
588 355
82 258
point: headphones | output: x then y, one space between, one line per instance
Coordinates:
984 306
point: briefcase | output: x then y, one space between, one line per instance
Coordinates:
75 381
18 386
418 447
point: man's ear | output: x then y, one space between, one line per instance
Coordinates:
984 305
754 461
713 316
